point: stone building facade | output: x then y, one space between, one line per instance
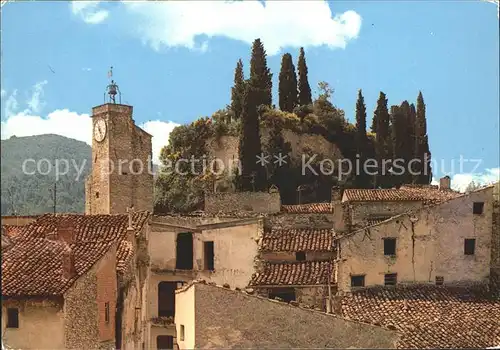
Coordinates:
71 291
121 175
445 243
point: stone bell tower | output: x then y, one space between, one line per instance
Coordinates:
121 173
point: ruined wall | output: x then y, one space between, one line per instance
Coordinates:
235 251
18 220
84 308
260 202
432 245
226 148
360 211
289 221
290 256
313 297
41 324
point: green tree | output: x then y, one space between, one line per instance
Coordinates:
287 91
260 75
382 141
362 179
305 97
253 175
238 90
373 127
422 151
399 145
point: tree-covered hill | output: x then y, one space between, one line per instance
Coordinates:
30 191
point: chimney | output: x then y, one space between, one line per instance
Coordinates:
66 231
336 194
68 263
445 183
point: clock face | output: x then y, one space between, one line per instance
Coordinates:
100 130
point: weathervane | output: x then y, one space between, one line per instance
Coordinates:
112 89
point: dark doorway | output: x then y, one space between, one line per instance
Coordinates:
166 299
208 254
164 342
184 251
287 294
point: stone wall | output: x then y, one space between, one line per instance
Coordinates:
41 324
260 202
429 243
495 248
120 164
290 256
18 220
313 297
361 211
289 221
84 306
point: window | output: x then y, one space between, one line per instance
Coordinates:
358 281
12 318
477 208
97 195
184 251
286 294
300 256
389 246
124 172
390 279
166 299
164 342
106 312
439 280
469 246
182 332
208 254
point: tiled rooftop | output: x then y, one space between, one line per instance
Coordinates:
429 316
295 240
312 208
32 266
426 194
296 273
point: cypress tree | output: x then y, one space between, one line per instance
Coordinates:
407 151
422 151
238 90
382 141
362 179
287 91
252 174
305 97
399 140
373 128
260 75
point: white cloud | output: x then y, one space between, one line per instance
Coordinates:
35 103
460 182
3 92
76 126
89 11
277 23
11 104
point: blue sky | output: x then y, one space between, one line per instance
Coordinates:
175 63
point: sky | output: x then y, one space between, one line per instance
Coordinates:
174 62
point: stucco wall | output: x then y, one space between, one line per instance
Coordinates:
162 248
18 220
433 245
235 249
260 202
185 315
41 325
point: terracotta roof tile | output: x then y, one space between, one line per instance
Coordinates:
313 208
296 273
295 240
429 316
33 264
428 195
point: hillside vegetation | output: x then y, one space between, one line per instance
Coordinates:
29 194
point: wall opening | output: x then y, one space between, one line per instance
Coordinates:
390 246
209 255
166 299
118 319
184 257
287 294
165 342
106 312
12 318
97 195
300 256
469 246
358 281
182 332
477 208
439 280
390 279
